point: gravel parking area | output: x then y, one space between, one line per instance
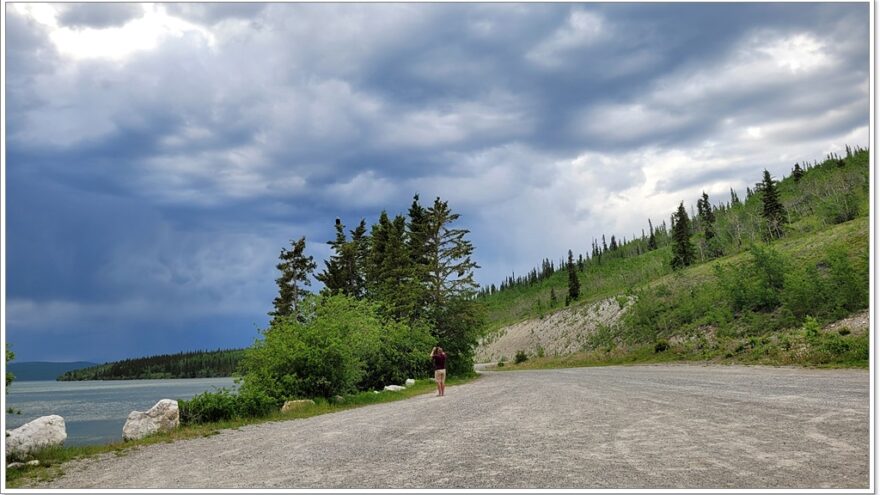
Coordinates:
666 426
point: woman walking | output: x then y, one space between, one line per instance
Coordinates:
439 359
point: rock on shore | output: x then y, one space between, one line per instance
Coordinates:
164 416
41 432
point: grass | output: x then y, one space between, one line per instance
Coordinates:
808 236
830 349
52 458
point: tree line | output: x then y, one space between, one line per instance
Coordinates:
832 191
417 268
194 364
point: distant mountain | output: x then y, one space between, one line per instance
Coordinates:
29 371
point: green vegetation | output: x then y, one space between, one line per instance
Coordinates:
195 364
388 298
9 376
51 459
748 275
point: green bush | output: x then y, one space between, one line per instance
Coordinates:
342 347
756 286
402 353
520 357
209 407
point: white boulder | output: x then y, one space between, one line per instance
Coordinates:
409 382
394 388
41 432
164 416
293 405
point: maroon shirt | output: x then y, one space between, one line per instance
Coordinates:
439 361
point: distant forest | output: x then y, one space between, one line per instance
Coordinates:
195 364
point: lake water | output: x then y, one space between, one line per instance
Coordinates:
95 411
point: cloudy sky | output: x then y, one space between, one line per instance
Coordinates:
158 157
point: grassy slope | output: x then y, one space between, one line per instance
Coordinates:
807 240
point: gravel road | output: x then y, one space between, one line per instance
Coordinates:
678 426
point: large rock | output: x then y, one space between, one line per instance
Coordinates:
164 416
394 388
409 382
41 432
293 405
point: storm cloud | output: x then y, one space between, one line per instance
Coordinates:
160 156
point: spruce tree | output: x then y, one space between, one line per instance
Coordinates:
652 239
773 211
682 249
574 285
333 276
450 268
553 299
797 173
295 268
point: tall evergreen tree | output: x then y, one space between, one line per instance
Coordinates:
574 285
773 211
450 272
333 276
295 268
682 249
376 259
652 239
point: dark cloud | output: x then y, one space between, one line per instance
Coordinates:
97 15
154 187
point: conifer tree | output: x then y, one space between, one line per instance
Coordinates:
333 276
574 285
376 258
773 211
613 246
450 269
797 173
553 299
734 199
682 249
652 239
295 268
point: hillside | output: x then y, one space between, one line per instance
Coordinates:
43 370
196 364
749 296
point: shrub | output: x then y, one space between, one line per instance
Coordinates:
303 360
402 353
223 404
843 331
343 346
811 328
661 346
520 357
207 407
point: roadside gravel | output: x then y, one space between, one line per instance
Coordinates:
664 426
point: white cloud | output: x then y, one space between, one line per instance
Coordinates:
581 29
113 42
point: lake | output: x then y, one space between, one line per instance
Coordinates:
95 411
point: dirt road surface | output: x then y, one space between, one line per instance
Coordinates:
679 426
